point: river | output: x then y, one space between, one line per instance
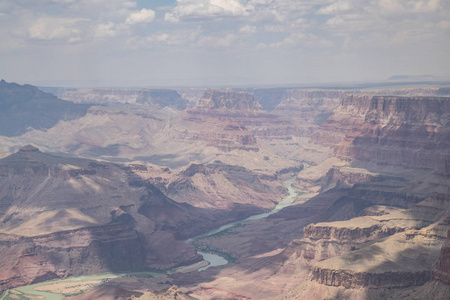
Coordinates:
212 258
217 260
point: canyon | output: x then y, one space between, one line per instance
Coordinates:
120 184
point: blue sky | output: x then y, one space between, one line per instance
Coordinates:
220 42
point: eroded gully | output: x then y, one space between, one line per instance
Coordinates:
213 259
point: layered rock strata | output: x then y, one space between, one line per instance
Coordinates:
69 216
411 132
223 186
393 263
441 272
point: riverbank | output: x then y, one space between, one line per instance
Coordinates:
51 290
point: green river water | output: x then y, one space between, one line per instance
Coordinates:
211 258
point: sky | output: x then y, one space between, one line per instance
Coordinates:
220 42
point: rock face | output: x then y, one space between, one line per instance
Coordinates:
311 106
412 132
222 130
223 186
353 280
114 247
216 99
346 234
441 272
391 263
63 216
24 106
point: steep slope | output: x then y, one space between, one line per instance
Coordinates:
25 107
412 132
63 216
442 269
223 186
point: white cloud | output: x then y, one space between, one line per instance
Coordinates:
164 39
396 7
300 40
426 6
204 9
391 7
105 30
142 16
248 29
48 28
336 7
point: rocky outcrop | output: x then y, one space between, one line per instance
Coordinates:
216 99
346 234
441 271
412 132
24 106
345 177
224 186
69 216
392 263
93 250
354 280
311 106
222 130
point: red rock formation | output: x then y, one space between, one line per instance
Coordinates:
310 106
441 271
411 132
63 216
223 186
28 260
346 235
353 280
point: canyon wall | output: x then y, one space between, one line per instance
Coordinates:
25 107
441 271
411 132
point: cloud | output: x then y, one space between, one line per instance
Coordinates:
142 16
208 9
398 7
248 29
391 7
426 6
105 30
336 7
444 24
217 41
168 40
300 40
49 28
